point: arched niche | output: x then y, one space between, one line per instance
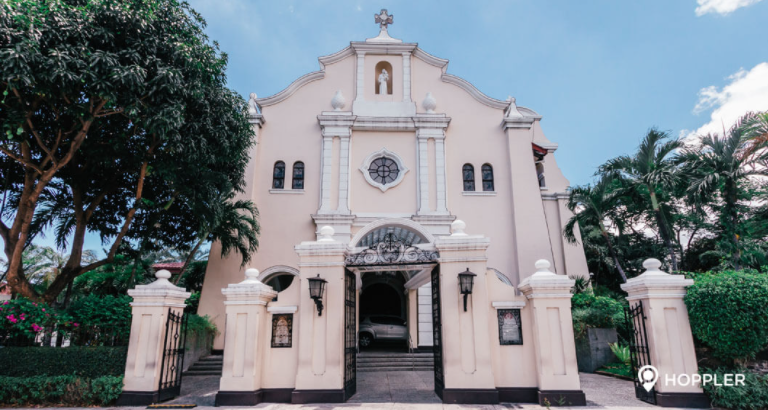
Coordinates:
381 66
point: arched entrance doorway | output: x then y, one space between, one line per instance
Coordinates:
391 260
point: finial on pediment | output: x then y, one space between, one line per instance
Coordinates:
338 101
383 19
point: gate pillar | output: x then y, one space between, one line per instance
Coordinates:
321 367
244 338
467 368
557 372
150 308
670 340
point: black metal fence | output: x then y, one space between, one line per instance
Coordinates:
56 336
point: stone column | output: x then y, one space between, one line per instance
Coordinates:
150 308
557 371
360 83
407 77
327 170
466 346
245 336
320 375
670 340
413 317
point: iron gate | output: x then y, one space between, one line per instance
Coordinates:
350 334
437 333
638 350
173 356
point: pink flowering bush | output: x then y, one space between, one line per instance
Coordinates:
24 318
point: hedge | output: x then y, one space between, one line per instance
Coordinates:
753 395
91 362
593 311
727 312
59 390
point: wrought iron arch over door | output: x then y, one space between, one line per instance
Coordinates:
392 245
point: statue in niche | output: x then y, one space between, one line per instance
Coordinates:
253 106
383 78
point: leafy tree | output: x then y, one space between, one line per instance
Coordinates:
591 206
722 168
648 172
117 120
231 223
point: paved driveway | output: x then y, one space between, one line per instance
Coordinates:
414 391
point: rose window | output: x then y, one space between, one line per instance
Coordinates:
383 170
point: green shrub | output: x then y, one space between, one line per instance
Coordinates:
89 362
752 396
200 326
23 318
621 352
95 310
593 311
727 313
59 390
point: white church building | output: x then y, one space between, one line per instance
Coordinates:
386 176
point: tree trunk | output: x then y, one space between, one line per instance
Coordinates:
189 260
731 223
613 254
663 228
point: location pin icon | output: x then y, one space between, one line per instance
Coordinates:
648 376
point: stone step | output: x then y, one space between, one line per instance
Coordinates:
197 366
211 359
391 355
368 364
396 362
202 373
394 369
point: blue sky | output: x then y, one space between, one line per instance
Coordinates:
600 72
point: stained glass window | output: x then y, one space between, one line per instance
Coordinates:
468 173
383 170
278 175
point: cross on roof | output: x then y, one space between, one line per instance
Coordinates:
383 19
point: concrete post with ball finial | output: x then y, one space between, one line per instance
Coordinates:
245 337
554 345
667 329
150 309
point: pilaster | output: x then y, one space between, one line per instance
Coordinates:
431 126
466 346
320 375
335 124
670 340
244 341
149 310
360 86
407 77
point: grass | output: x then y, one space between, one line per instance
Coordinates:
620 369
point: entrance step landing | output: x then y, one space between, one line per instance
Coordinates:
392 362
206 366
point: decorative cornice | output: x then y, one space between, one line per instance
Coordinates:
430 59
383 124
282 309
288 91
474 92
431 121
257 119
513 304
382 48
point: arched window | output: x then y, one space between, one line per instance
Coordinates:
468 173
280 282
298 175
540 175
487 177
384 74
278 175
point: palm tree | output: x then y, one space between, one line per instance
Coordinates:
591 206
756 131
234 224
650 170
722 168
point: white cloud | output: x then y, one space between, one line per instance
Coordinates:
746 91
722 7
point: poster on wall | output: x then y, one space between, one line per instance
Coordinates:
510 327
282 330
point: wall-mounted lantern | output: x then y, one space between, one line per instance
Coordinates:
466 281
316 289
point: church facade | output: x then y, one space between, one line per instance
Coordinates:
384 184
